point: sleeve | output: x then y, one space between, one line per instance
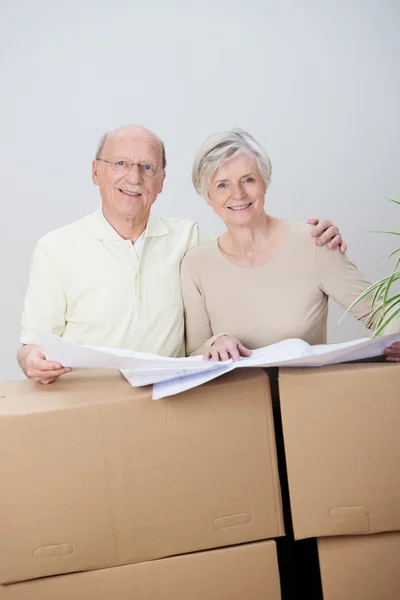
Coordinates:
340 279
198 332
197 236
45 301
204 237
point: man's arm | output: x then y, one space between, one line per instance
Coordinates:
44 310
35 366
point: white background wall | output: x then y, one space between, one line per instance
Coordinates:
316 82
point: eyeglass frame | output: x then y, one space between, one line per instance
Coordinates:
133 164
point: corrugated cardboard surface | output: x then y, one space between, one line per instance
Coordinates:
95 474
341 429
361 567
248 572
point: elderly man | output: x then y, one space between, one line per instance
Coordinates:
112 278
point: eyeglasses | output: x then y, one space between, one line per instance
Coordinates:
122 167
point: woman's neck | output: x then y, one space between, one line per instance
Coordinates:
254 244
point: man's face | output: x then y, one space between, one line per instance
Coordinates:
128 195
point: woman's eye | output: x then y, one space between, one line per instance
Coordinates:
249 180
222 186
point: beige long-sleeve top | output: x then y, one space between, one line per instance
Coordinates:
287 297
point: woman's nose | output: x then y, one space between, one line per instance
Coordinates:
237 191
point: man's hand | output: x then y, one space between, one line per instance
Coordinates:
325 231
393 352
226 347
35 366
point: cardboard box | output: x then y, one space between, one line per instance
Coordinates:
95 474
341 427
248 572
360 567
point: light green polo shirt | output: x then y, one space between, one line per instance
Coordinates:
89 285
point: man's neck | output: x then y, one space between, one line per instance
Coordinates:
129 228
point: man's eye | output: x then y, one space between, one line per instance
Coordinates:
120 163
147 167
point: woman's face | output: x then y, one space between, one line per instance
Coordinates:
237 191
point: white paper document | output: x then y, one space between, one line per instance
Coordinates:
70 354
171 376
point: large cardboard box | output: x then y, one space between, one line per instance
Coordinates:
96 474
341 427
247 572
360 567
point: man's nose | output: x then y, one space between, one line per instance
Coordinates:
134 175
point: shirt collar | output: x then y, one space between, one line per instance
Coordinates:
156 226
102 230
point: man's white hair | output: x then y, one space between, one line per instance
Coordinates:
218 149
103 138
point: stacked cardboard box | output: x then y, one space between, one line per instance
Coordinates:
341 428
106 493
365 567
246 572
94 475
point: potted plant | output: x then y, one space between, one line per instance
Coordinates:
384 299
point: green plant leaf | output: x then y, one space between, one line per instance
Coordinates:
379 286
380 231
378 292
386 322
368 291
392 254
392 279
392 301
387 309
381 300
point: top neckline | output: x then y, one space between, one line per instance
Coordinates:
270 260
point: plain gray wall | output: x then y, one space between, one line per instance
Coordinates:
316 82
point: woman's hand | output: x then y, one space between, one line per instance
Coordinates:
226 347
393 352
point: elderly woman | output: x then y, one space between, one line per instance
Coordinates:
265 279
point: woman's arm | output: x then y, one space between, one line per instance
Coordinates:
198 332
340 279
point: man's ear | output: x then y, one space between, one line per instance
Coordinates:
95 172
164 174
